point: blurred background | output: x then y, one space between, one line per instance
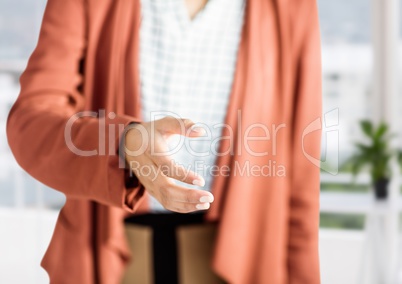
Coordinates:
359 235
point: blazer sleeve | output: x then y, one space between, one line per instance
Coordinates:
49 100
303 259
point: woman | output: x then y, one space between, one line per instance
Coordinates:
88 80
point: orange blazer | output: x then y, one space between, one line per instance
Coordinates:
87 59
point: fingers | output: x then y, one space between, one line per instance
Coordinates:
169 168
171 125
185 175
177 198
180 207
185 200
155 169
163 163
196 131
177 193
172 196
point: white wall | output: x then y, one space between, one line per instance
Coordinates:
341 255
24 236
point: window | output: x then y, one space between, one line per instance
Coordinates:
347 65
19 26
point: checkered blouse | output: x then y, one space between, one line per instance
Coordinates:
187 69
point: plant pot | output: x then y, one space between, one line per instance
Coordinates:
381 189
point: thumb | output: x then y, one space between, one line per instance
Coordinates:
181 126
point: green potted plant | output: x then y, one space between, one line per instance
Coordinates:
375 156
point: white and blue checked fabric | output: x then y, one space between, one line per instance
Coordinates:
187 69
